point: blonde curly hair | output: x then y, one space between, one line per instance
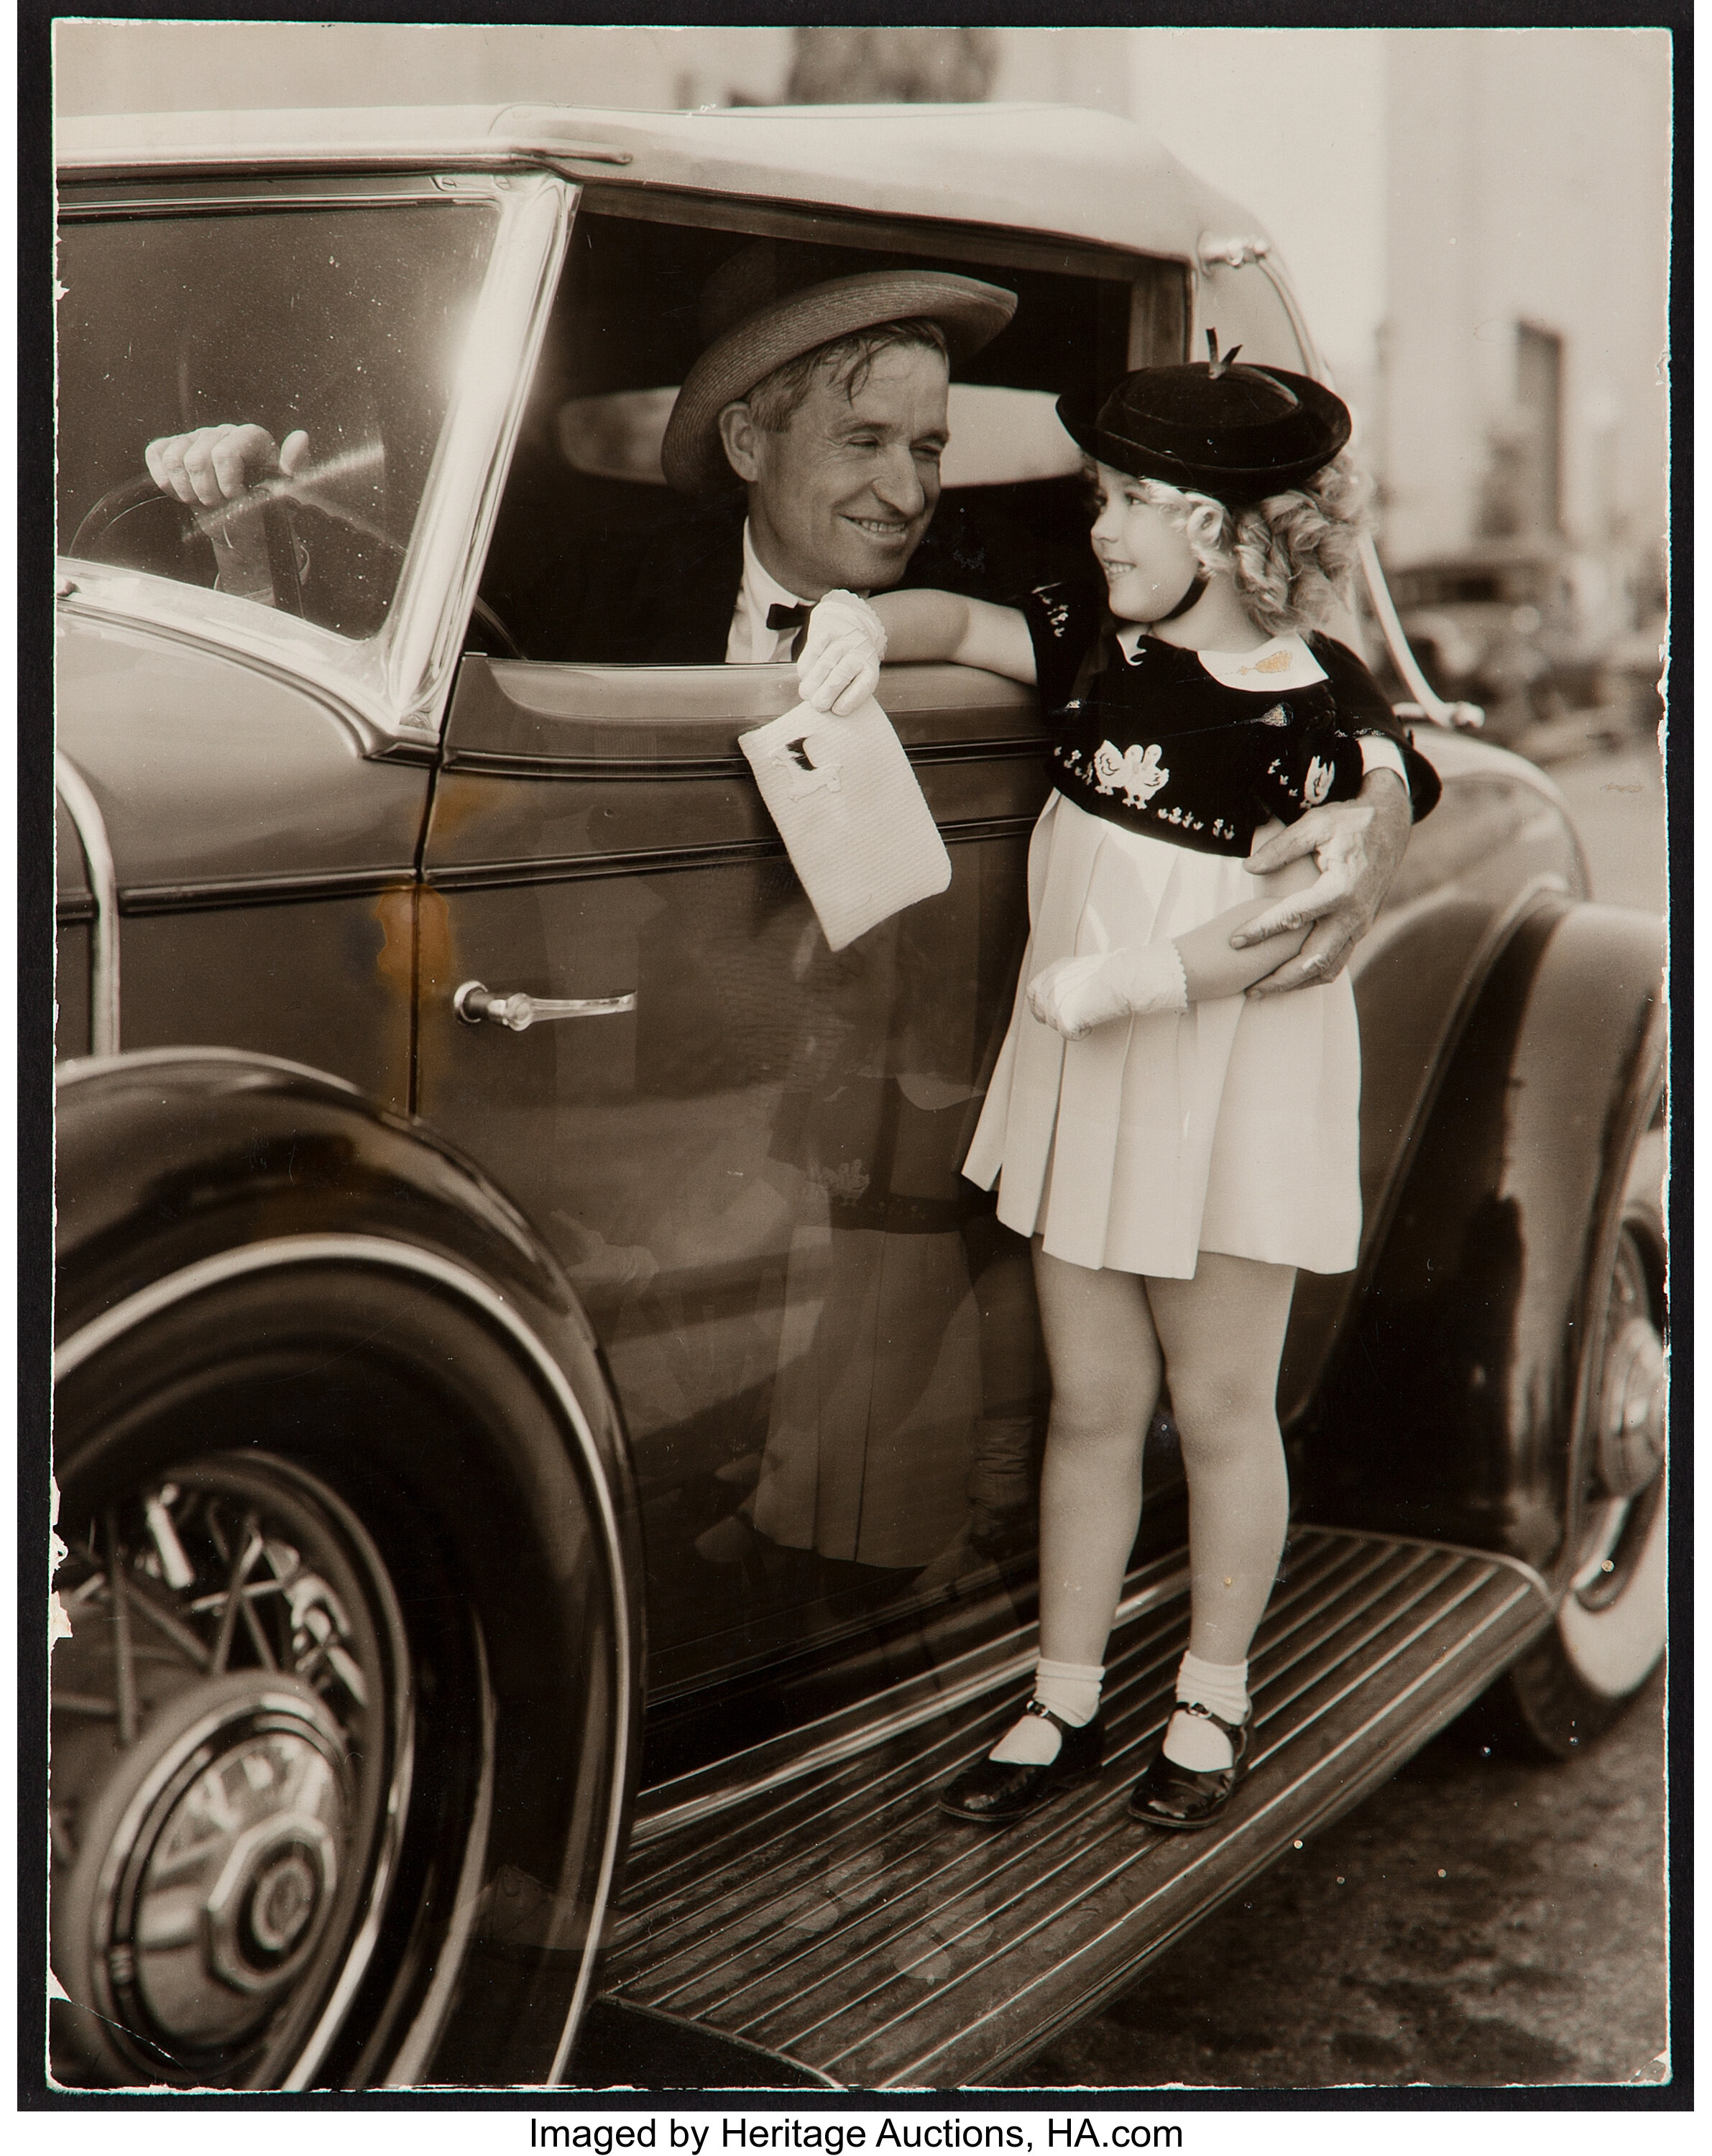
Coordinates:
1290 555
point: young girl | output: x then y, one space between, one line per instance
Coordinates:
1173 1150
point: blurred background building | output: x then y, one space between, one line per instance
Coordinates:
1476 221
1520 401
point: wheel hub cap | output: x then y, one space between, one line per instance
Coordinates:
260 1920
1631 1448
226 1873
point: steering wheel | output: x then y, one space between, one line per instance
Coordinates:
134 496
125 500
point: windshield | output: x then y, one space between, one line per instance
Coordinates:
343 324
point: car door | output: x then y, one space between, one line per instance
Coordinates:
746 1151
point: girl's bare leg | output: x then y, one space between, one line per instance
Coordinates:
1104 1358
1105 1363
1223 1333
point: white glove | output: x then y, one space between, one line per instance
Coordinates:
1074 995
839 666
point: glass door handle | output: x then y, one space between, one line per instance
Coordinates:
473 1001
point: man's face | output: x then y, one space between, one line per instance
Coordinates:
840 498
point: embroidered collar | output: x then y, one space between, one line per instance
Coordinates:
1283 663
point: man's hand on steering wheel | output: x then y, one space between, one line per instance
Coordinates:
216 468
215 465
1357 845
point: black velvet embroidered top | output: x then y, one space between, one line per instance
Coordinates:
1201 749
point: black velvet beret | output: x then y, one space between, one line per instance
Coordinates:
1236 433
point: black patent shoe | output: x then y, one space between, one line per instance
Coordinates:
994 1792
1185 1799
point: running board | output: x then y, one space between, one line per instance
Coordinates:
840 1921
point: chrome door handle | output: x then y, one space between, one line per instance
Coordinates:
473 1003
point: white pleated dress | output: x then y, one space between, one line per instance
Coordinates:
1233 1128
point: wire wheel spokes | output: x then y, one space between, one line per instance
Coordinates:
227 1720
188 1578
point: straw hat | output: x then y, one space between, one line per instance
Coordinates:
760 308
1237 433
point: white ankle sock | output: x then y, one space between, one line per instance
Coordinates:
1072 1692
1071 1689
1191 1740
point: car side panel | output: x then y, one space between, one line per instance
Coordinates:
264 859
213 773
1451 1403
325 982
753 1178
71 989
74 937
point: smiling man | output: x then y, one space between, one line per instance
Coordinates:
826 401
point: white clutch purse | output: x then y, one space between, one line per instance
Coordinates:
854 821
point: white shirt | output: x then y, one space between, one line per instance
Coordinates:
750 643
1288 664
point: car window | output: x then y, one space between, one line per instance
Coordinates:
595 557
345 322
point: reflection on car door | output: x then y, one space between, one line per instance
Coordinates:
824 1346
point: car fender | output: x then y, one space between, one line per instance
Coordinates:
181 1170
1455 1397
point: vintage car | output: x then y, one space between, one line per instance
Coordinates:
1500 623
546 1439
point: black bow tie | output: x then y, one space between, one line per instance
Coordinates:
791 617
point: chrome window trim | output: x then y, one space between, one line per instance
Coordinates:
1312 363
385 1252
185 195
393 686
85 813
969 240
1378 597
423 634
1408 666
